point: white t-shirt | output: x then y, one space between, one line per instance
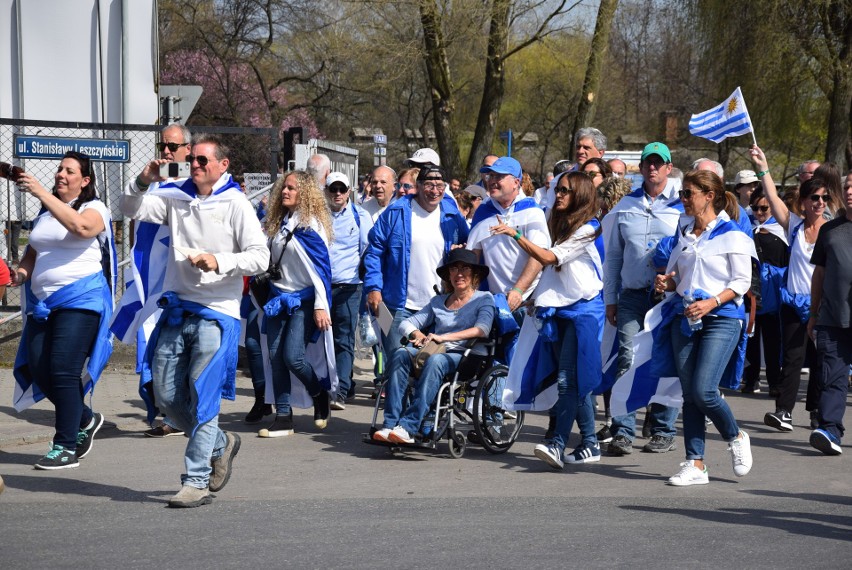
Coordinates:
800 270
61 257
579 276
373 208
427 251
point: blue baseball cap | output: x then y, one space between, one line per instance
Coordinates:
504 165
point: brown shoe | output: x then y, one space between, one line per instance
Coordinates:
190 497
222 465
164 430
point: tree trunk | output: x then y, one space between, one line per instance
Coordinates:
840 111
597 57
441 86
493 88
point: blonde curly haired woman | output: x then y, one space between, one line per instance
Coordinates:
299 226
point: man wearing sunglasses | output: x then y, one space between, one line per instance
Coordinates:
215 239
351 226
640 220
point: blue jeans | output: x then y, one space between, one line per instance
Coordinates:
57 350
253 351
834 347
426 387
632 306
571 405
345 299
700 360
390 341
181 354
287 336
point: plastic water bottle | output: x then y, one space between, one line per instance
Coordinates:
688 299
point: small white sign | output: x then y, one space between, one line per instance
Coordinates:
380 139
256 181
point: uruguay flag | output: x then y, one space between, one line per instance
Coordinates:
727 119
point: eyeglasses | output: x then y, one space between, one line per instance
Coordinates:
433 185
689 193
564 190
200 159
337 189
496 175
171 146
460 268
760 209
817 197
593 173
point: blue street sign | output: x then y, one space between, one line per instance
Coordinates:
54 147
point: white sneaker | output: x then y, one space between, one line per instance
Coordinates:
400 435
741 458
688 475
550 454
382 435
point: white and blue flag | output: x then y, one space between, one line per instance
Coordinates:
727 119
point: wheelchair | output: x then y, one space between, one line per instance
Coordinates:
467 409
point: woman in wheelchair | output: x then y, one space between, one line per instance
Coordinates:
455 318
569 306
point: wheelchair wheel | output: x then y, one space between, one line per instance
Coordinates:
496 428
457 444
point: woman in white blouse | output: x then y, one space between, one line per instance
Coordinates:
801 233
710 269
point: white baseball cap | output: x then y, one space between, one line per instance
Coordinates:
337 177
425 156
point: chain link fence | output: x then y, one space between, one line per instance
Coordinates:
251 150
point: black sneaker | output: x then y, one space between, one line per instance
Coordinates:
338 404
85 437
321 409
620 445
660 444
780 420
604 435
58 458
258 411
350 396
281 427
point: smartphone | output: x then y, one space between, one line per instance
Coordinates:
174 170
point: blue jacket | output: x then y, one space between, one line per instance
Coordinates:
389 254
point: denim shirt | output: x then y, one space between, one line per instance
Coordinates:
349 244
629 260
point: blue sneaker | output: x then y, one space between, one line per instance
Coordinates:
584 454
825 442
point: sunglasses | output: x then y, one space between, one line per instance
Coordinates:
337 189
564 190
689 193
760 209
406 186
817 197
200 159
171 146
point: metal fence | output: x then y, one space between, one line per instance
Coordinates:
251 150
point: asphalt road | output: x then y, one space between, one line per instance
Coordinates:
327 500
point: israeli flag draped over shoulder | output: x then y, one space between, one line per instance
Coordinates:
655 380
96 293
634 202
138 310
523 213
531 381
311 246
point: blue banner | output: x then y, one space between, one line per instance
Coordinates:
54 147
